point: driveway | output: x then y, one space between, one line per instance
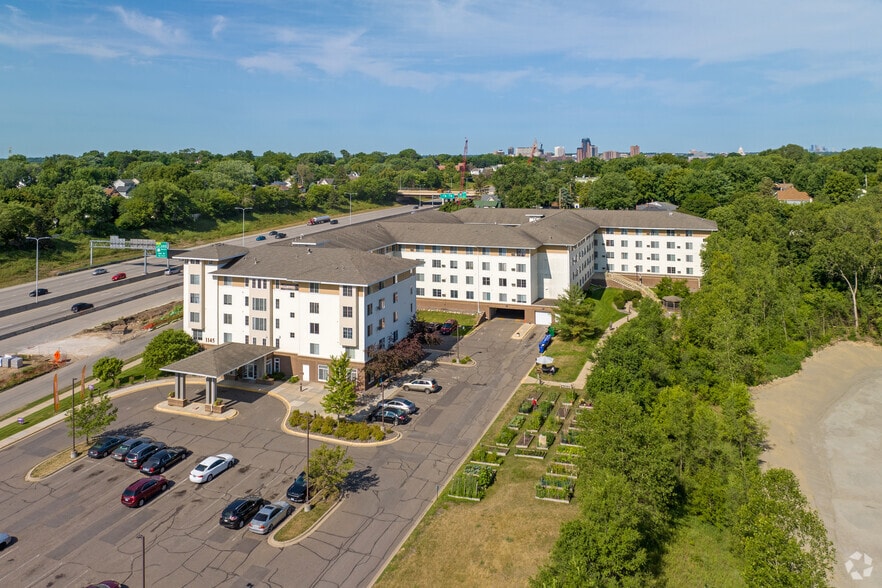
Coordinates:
71 528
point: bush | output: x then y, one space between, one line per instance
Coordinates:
294 379
526 407
505 436
485 455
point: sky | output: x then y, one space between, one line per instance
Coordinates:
300 76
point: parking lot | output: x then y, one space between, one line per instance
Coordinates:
71 528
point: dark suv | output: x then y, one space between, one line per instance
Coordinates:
240 511
137 456
297 490
119 454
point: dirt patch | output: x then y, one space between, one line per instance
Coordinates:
825 424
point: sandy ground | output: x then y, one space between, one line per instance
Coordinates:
825 424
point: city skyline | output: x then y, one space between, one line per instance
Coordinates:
268 75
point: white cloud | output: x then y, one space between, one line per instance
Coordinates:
218 24
150 27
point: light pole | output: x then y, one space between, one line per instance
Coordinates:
307 506
243 209
73 419
37 272
143 560
458 340
350 194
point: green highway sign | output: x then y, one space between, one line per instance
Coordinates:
162 249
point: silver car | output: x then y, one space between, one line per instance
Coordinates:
5 541
268 517
401 403
422 385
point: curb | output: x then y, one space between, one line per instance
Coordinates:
314 527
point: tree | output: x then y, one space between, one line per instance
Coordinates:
341 397
328 468
168 347
575 315
107 369
91 416
783 540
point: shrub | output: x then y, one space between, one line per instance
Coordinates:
485 455
505 436
526 407
377 433
294 379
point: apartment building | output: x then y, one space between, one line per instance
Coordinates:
310 303
347 288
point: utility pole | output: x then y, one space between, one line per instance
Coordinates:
243 209
73 419
37 272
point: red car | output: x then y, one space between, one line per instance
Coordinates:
449 327
143 490
119 276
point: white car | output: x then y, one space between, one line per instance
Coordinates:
209 467
269 516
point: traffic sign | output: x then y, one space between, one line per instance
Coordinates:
162 249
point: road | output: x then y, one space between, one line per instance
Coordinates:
71 529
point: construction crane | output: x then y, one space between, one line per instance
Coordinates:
532 151
462 169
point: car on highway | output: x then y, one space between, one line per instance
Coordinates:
297 491
5 540
98 271
105 445
273 233
385 414
209 467
334 221
427 385
268 517
400 403
119 454
260 238
164 459
81 306
143 490
280 235
137 456
241 510
119 276
448 327
170 271
38 292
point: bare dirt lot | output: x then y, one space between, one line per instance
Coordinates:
825 424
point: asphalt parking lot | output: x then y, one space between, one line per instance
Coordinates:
71 528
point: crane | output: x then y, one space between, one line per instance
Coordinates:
532 151
462 169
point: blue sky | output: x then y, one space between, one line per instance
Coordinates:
387 75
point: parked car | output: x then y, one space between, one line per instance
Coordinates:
172 270
105 445
137 456
260 238
81 306
164 459
38 292
209 467
297 491
143 490
98 271
5 541
449 326
280 235
269 516
389 415
401 403
119 454
118 277
106 584
423 385
241 510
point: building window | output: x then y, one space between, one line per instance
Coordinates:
436 292
228 299
671 245
454 264
689 245
485 280
653 244
395 316
521 283
453 279
653 269
194 279
624 255
347 332
381 324
258 304
470 295
436 249
625 267
370 330
420 277
503 251
347 311
436 278
672 270
194 317
609 243
470 265
454 293
503 297
194 298
314 349
370 308
638 256
313 288
485 296
502 267
624 242
610 254
277 304
347 290
470 250
381 304
277 323
503 282
290 294
228 319
521 252
689 259
638 243
611 267
246 301
653 231
290 335
258 324
672 257
420 291
314 328
671 233
228 337
419 248
638 268
247 321
689 270
470 280
485 251
436 263
522 298
394 297
313 308
521 267
197 334
653 257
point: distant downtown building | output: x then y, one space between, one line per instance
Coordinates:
352 287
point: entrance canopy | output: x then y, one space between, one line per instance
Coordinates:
217 361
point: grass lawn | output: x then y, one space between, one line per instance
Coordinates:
698 556
301 521
439 316
500 541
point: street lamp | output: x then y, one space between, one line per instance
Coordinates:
73 419
243 209
143 560
458 340
350 194
307 506
37 272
